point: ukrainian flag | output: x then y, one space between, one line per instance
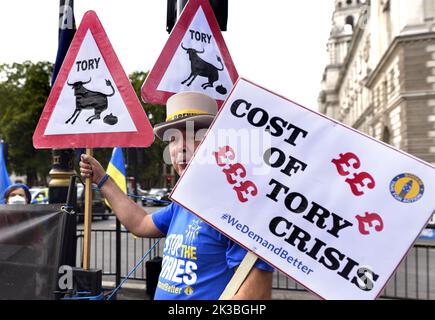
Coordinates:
116 170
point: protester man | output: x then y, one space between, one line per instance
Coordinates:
198 261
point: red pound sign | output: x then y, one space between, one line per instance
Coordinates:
224 153
369 218
245 188
235 170
358 180
345 160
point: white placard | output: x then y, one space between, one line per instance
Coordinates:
332 208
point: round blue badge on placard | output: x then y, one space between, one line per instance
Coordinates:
407 188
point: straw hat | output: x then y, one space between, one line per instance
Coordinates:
187 106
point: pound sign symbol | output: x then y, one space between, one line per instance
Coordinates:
224 153
234 170
368 219
358 180
345 160
245 188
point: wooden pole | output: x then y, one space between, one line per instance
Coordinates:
239 277
87 220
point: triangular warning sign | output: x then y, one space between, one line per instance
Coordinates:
195 58
92 103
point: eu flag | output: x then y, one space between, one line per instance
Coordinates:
116 170
67 29
5 181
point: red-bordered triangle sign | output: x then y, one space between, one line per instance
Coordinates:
195 58
92 103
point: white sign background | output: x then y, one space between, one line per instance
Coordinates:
65 105
205 191
180 67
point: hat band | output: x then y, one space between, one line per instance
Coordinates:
184 113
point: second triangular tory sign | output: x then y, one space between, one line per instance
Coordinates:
195 58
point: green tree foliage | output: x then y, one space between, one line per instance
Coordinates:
149 171
24 88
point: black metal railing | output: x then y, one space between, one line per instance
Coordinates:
103 252
414 279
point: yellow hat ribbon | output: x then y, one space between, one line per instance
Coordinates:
184 113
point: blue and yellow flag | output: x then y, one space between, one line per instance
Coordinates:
116 170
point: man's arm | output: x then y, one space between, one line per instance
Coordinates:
132 216
257 286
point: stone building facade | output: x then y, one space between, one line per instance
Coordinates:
380 78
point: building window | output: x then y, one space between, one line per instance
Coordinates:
385 4
386 135
378 97
392 86
385 93
429 10
350 21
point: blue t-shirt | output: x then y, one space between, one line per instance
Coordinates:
198 260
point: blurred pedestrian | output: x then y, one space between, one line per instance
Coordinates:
17 193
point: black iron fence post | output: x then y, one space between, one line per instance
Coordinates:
118 252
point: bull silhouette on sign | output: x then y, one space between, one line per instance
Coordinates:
202 68
88 99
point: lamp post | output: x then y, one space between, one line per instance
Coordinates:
61 171
175 7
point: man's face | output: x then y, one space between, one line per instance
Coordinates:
182 147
